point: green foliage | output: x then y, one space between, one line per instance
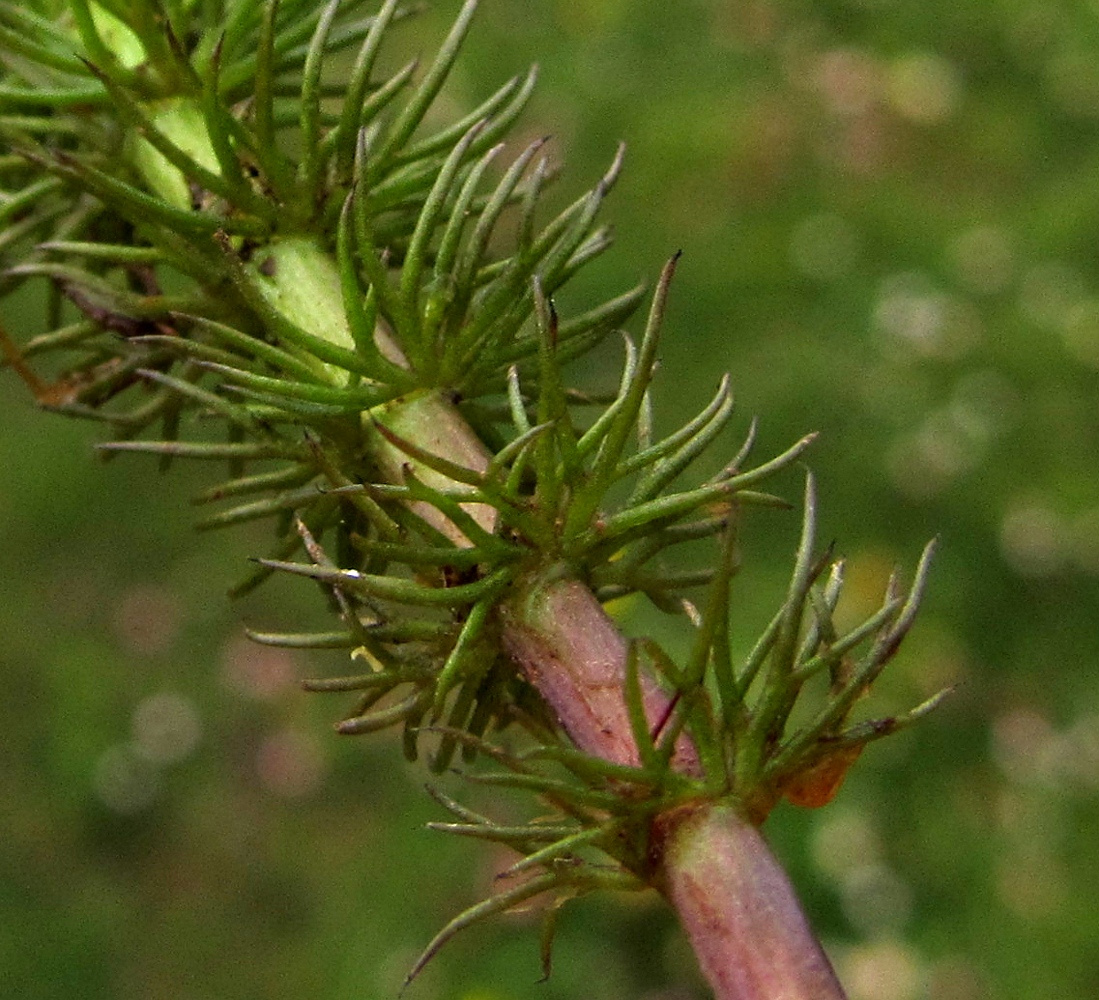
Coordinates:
264 266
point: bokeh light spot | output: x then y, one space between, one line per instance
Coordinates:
124 781
260 672
848 80
983 258
844 841
1080 330
924 87
875 899
147 619
883 970
166 727
1024 746
923 462
1032 539
290 764
913 312
983 404
956 979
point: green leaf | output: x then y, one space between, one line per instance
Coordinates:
401 129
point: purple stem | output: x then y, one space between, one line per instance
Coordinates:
733 898
568 647
739 910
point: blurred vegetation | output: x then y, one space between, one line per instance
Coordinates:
889 215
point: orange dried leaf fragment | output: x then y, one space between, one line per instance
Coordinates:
818 784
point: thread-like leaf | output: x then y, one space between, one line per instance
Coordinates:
430 215
212 451
866 671
621 426
344 135
351 399
394 588
669 457
496 904
458 659
422 98
312 161
372 722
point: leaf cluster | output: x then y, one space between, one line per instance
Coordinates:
251 261
332 263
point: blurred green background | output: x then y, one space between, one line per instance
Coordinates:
889 214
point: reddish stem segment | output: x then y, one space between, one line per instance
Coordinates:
733 898
570 650
739 909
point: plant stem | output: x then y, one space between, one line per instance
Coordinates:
739 910
735 902
570 649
